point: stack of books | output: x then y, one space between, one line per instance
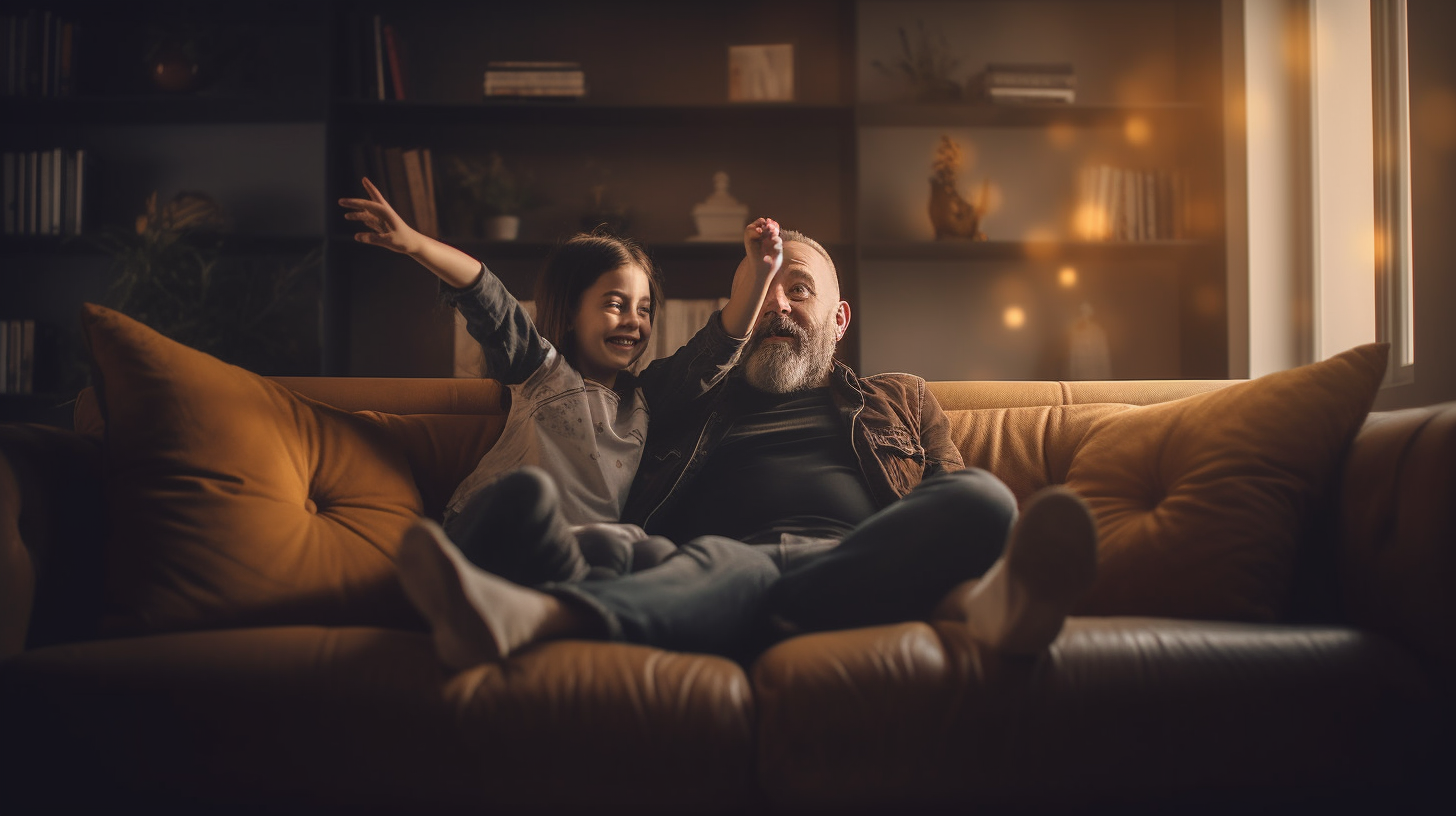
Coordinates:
552 80
42 191
1026 82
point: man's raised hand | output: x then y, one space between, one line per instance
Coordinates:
764 246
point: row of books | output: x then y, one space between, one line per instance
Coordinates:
406 177
377 55
1025 82
17 356
39 56
559 80
1119 204
44 191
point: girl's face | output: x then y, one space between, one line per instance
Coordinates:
613 323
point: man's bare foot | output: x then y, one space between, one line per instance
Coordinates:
1020 604
476 617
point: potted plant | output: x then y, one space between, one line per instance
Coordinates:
173 274
926 65
499 195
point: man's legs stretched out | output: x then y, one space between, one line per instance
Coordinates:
955 539
897 564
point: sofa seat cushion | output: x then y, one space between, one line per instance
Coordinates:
1140 715
353 719
232 501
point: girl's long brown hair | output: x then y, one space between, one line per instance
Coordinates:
572 269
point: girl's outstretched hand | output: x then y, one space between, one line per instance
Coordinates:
383 225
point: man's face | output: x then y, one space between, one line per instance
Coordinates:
792 347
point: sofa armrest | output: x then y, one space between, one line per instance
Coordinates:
1398 531
50 535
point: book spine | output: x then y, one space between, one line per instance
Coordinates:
80 192
4 356
396 74
7 178
429 167
58 158
25 379
378 71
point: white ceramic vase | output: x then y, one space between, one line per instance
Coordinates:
502 227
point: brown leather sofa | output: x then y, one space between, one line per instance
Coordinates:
1341 696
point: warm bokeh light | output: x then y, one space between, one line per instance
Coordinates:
1091 222
1138 131
1067 277
1061 135
988 197
1379 246
1041 242
1433 118
1014 317
1208 302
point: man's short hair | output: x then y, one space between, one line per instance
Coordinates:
794 235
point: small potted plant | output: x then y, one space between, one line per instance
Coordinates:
499 194
927 65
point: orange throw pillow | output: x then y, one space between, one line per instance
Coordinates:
232 501
1200 503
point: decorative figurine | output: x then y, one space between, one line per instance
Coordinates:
953 216
721 217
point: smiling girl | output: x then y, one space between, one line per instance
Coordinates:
576 416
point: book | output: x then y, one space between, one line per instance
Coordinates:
761 73
11 187
1059 95
397 188
419 195
378 69
534 79
1026 82
392 49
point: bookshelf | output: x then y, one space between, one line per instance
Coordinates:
274 134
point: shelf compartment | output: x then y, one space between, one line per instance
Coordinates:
1028 115
161 110
1084 251
583 114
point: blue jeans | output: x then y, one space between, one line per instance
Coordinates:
718 595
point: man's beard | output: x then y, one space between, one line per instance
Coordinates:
783 368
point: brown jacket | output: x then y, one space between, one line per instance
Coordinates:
898 431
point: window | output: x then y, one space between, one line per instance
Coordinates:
1394 292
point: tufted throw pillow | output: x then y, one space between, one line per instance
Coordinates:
231 501
1201 502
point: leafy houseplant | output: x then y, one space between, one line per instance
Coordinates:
173 275
926 65
496 192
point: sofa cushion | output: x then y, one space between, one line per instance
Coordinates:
1201 502
232 501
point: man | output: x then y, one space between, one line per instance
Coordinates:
802 498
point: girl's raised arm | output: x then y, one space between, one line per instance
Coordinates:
386 229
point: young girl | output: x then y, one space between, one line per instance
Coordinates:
577 418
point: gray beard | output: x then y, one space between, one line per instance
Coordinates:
780 368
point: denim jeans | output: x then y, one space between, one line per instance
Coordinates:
718 595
